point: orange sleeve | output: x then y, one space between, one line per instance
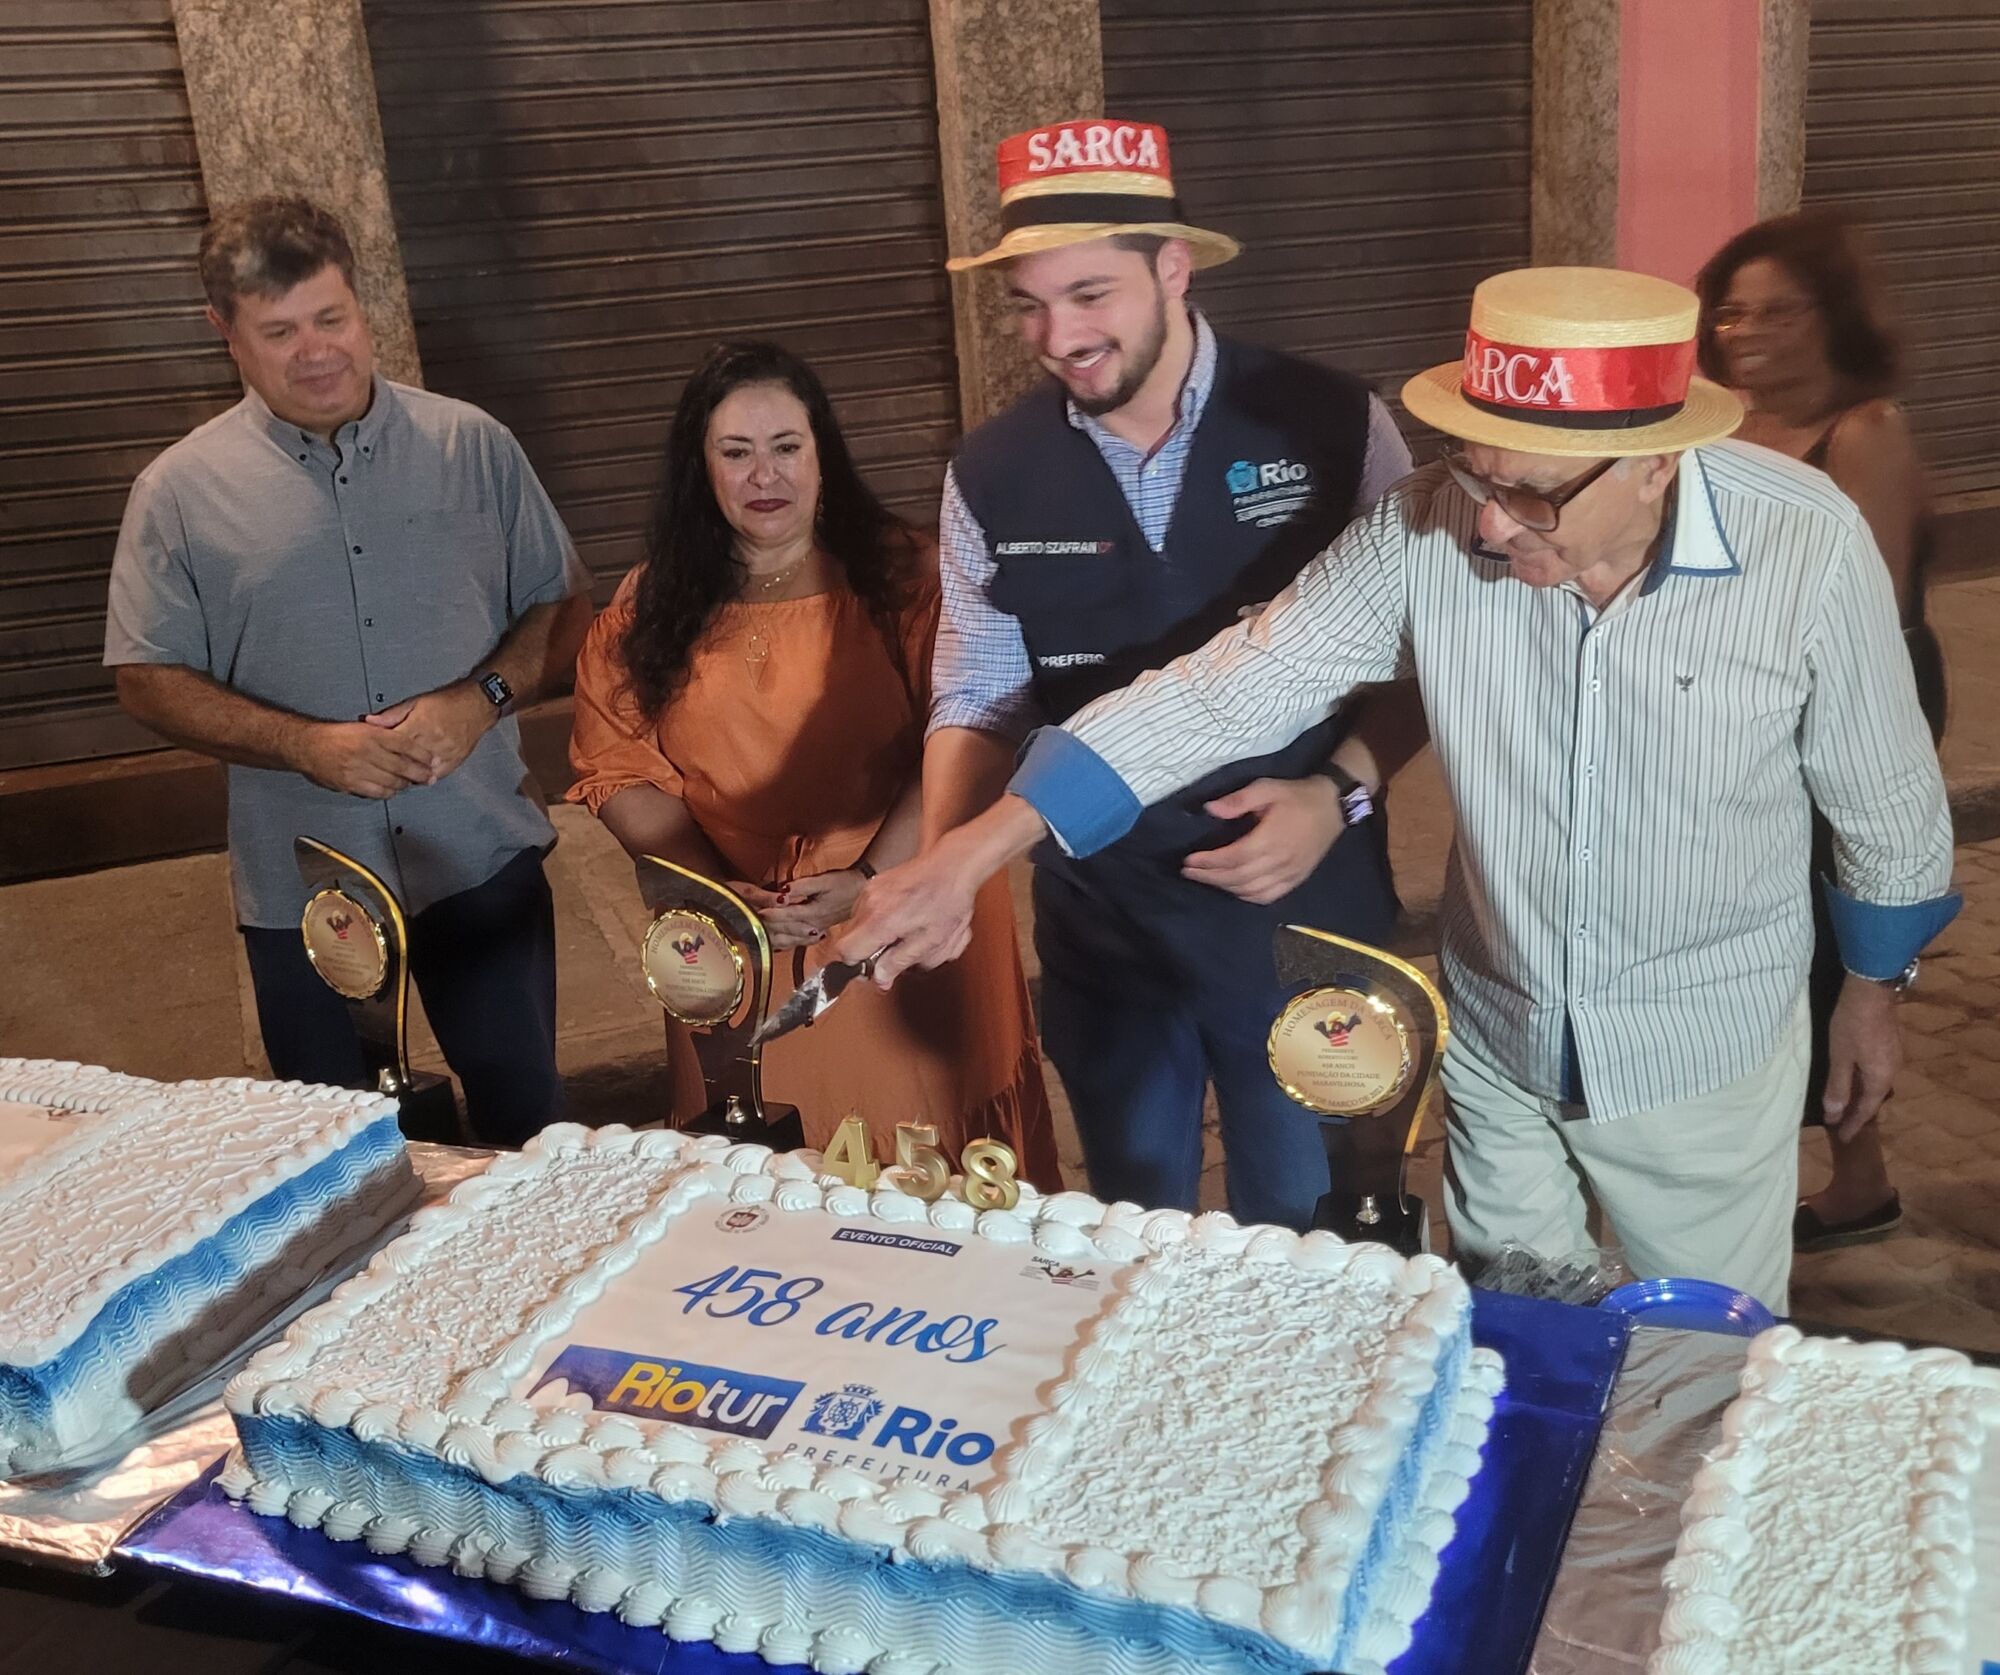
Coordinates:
612 745
919 626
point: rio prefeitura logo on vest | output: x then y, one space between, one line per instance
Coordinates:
1270 492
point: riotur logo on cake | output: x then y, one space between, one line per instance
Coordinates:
713 1398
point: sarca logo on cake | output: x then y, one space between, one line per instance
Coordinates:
658 1387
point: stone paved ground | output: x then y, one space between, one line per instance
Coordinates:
1939 1278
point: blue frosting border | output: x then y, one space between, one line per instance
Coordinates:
1392 1517
140 1313
531 1513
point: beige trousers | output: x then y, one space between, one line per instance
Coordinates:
1701 1189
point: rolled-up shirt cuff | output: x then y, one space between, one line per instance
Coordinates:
1013 719
1878 941
1078 793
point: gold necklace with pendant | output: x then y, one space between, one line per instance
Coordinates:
757 644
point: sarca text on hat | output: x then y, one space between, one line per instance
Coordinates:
1100 145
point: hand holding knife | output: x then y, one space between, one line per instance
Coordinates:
814 996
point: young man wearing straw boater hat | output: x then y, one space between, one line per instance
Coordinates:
1646 653
1163 481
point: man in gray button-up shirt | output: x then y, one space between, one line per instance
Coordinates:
342 587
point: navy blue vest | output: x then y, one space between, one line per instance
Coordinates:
1271 479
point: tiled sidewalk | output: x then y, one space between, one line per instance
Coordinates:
1939 1277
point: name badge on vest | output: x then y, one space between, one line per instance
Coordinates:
1267 492
1054 549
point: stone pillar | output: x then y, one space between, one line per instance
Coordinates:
283 100
1573 166
1002 66
1661 127
1781 117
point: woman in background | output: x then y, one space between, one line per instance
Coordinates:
1792 322
751 705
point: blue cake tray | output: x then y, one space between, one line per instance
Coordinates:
1561 1365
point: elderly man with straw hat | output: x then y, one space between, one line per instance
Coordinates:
1163 481
1646 654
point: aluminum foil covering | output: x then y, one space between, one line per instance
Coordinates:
1603 1617
1666 1416
1562 1363
76 1516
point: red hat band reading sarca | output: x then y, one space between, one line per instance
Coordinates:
1587 361
1092 178
1589 389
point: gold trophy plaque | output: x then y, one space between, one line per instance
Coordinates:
693 968
707 961
1360 1047
359 942
347 948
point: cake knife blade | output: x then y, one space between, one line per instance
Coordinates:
814 996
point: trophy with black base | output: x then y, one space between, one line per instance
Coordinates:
1360 1049
359 943
707 961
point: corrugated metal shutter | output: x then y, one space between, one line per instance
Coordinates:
589 195
1903 130
1373 158
104 355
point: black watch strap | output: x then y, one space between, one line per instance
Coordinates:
498 693
1357 802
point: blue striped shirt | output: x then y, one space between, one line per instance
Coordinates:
1632 787
980 674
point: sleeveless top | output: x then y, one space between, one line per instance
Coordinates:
1926 655
1911 605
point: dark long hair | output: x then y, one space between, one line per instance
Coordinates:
1824 251
691 569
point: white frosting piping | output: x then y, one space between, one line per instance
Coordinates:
313 1123
1711 1582
479 1427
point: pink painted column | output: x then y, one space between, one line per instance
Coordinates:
1689 92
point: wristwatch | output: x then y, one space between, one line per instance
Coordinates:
498 693
1357 802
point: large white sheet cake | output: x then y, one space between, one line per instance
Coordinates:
146 1227
699 1386
1848 1521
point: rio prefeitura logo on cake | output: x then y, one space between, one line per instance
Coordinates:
854 1425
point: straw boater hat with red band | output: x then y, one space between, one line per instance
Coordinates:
1071 182
1585 361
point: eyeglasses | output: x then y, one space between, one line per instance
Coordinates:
1734 316
1536 509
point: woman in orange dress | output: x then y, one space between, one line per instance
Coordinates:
751 705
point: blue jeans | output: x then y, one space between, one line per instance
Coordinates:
1152 988
484 961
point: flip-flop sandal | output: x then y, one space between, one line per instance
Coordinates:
1809 1232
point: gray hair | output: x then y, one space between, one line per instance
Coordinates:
265 246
